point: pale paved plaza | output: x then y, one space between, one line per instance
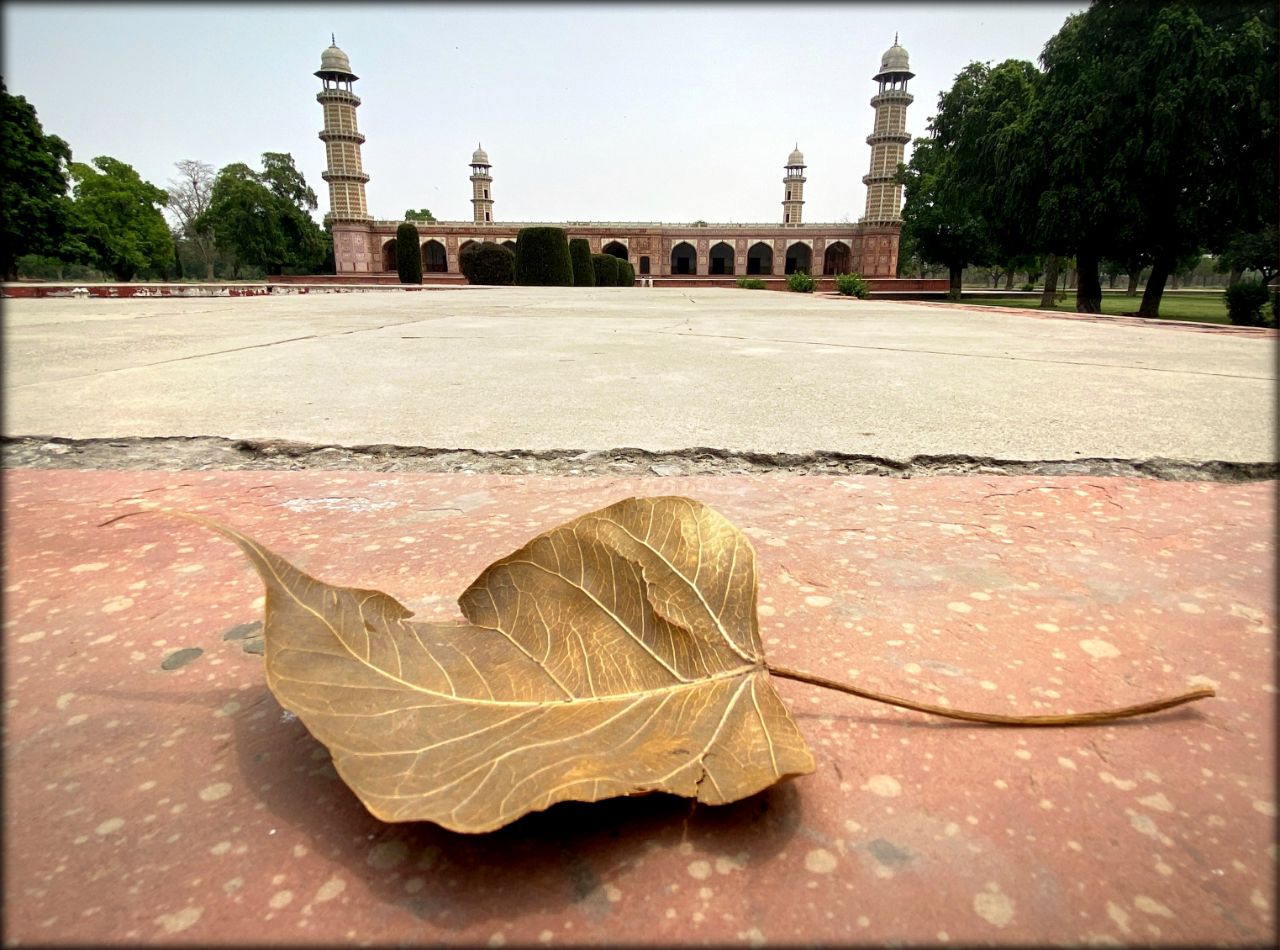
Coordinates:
659 369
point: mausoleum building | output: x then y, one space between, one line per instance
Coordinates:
364 246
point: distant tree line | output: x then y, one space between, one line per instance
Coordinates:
62 219
1145 139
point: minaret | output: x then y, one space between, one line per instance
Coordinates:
341 139
884 195
793 182
481 187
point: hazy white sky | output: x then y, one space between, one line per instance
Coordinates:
616 112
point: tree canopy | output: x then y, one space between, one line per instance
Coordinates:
262 218
116 223
33 184
420 215
1149 135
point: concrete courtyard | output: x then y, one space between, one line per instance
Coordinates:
659 369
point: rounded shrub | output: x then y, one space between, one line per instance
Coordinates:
488 263
542 258
408 256
626 274
751 283
852 285
1245 300
606 268
584 274
801 283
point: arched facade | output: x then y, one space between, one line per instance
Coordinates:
434 259
684 259
799 258
836 258
869 248
720 259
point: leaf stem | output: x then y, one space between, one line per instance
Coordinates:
1070 719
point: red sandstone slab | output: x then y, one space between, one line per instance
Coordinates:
184 807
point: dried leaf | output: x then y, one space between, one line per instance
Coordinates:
617 654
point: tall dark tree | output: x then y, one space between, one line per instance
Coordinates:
33 185
1159 125
408 254
116 223
939 219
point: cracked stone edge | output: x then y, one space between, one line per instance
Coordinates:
195 453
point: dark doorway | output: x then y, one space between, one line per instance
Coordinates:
721 259
617 249
684 259
760 259
433 259
799 258
836 259
644 265
389 255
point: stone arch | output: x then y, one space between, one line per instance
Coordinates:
684 259
836 259
617 249
434 260
799 258
389 256
760 258
720 259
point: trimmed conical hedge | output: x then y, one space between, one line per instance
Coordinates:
606 268
626 274
408 255
584 274
542 258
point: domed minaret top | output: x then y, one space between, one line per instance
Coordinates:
894 62
335 64
793 184
479 156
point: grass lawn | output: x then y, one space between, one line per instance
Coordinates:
1198 307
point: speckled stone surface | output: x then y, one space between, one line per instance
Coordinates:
181 805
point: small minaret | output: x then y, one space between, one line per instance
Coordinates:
341 139
481 187
884 195
793 182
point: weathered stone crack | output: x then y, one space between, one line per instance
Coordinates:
179 453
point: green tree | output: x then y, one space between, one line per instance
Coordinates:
1158 125
33 185
116 223
420 215
1256 250
939 219
263 218
408 254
